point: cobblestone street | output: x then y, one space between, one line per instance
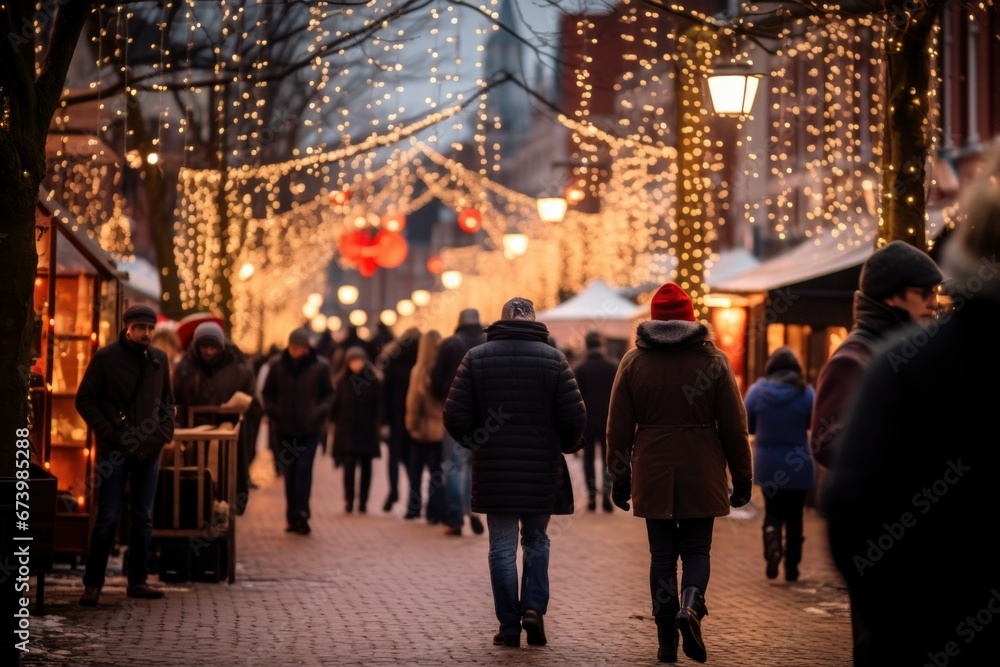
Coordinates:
376 590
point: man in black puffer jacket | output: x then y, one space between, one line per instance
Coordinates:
515 403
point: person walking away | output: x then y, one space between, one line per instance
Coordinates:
455 458
425 425
905 502
595 375
127 400
396 361
298 398
516 405
676 423
896 289
779 409
212 372
356 425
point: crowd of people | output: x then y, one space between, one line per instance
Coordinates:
488 414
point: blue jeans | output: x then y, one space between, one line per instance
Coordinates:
112 472
298 456
457 467
503 567
670 539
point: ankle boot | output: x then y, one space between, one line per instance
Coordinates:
689 623
667 637
793 556
772 547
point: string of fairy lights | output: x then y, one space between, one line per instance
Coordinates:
809 161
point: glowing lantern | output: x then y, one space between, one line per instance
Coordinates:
394 222
333 323
435 265
318 323
340 197
358 317
470 220
514 245
388 317
733 89
310 310
406 307
451 279
348 294
551 209
420 297
575 194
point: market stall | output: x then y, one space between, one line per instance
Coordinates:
78 303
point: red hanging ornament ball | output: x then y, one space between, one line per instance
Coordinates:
470 220
435 265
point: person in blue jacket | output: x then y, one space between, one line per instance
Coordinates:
779 409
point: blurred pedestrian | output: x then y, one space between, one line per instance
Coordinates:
896 288
127 400
675 424
779 408
516 406
395 363
425 424
356 420
212 372
167 340
351 338
908 502
596 375
298 398
383 337
455 458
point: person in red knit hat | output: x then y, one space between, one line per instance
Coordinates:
676 423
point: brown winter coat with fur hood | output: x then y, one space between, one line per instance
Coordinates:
676 422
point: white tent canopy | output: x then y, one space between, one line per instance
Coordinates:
596 308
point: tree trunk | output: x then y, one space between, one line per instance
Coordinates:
908 136
28 98
161 229
691 224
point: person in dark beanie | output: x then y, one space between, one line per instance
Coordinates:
210 373
356 418
896 288
396 362
916 472
676 424
127 400
596 375
516 405
455 459
298 398
779 408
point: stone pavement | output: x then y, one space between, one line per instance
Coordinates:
376 590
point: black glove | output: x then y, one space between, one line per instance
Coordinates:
621 492
741 493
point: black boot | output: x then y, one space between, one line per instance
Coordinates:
772 546
793 556
689 623
666 630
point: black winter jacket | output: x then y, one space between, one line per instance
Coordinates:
106 393
298 395
197 384
515 403
450 355
596 375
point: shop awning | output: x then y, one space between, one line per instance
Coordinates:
86 251
821 256
817 257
